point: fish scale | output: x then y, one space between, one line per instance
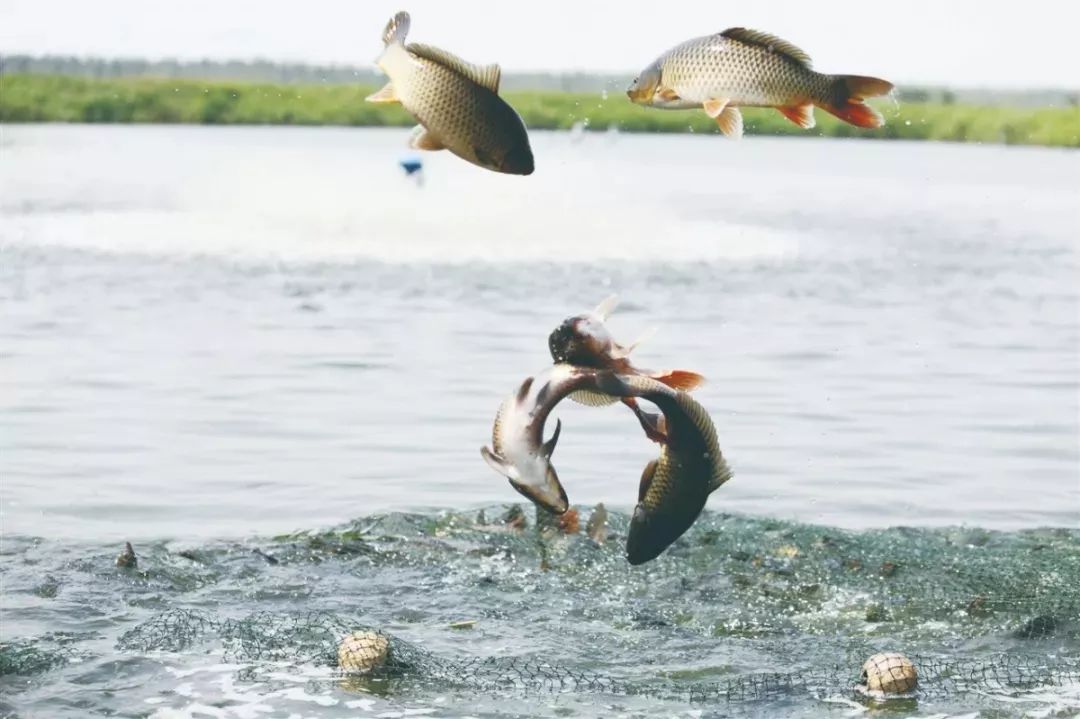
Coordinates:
456 103
747 68
717 66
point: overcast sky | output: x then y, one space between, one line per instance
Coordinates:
967 43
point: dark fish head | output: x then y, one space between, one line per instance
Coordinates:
582 341
651 532
519 159
508 149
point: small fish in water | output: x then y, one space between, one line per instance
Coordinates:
596 527
675 486
748 68
127 558
518 450
456 103
585 340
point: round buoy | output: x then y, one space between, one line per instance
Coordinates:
889 673
360 652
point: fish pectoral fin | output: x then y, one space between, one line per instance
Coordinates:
730 122
385 95
605 308
423 139
801 115
667 94
620 352
487 76
547 448
497 463
651 422
715 106
646 479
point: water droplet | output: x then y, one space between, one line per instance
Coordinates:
603 94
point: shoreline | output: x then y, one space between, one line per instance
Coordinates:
67 99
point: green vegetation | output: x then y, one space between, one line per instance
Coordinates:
38 98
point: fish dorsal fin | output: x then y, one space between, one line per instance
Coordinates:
548 447
771 42
605 308
485 75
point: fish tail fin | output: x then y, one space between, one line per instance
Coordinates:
679 379
846 95
396 29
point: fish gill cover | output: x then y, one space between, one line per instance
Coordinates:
741 611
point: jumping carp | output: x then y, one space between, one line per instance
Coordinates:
675 486
584 340
456 103
518 450
748 68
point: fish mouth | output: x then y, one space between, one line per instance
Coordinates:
651 534
519 161
551 498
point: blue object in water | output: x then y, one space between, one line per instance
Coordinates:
411 165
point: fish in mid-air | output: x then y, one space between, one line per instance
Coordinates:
518 450
584 340
675 486
456 103
747 68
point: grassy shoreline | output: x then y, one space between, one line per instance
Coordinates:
39 98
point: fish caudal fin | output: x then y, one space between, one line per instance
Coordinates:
801 115
848 93
679 379
396 29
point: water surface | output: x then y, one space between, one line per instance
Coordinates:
218 335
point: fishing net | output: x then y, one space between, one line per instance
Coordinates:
355 649
738 610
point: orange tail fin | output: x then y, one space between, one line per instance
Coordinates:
846 99
679 379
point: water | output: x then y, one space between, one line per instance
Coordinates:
212 336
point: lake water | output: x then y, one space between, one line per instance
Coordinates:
217 335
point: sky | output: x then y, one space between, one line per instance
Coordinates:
959 43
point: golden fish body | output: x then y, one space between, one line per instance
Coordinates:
741 68
675 486
456 103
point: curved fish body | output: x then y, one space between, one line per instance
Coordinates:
748 68
585 340
456 103
675 486
518 450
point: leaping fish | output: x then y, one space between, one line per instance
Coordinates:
675 486
518 450
456 103
585 340
748 68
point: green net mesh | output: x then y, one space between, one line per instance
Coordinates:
352 648
739 609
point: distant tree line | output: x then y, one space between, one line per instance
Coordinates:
578 82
